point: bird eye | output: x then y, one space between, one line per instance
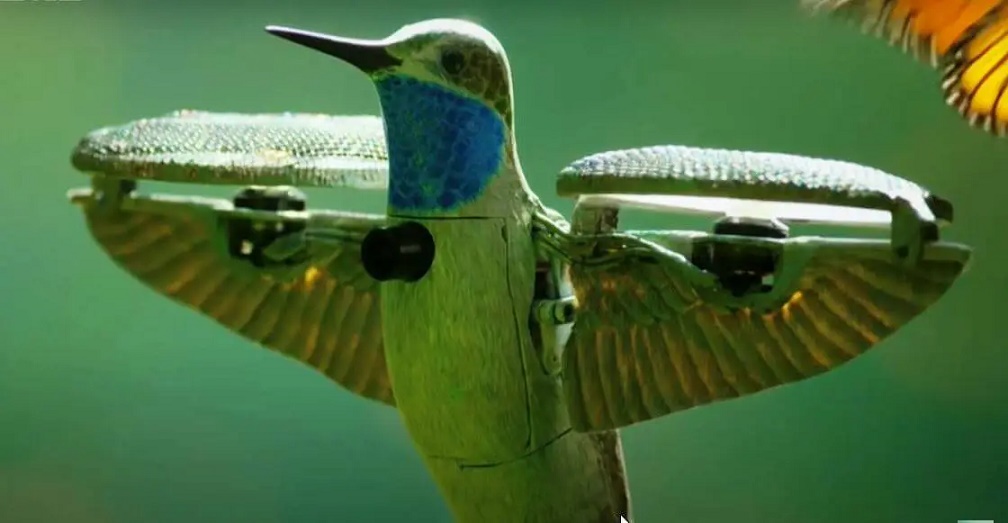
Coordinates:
452 62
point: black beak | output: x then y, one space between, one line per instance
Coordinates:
367 55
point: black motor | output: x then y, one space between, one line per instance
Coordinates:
741 268
403 252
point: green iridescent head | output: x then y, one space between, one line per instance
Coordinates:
457 54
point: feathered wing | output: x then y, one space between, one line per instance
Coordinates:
647 343
256 271
319 308
967 39
656 333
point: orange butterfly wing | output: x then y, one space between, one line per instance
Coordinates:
976 76
967 38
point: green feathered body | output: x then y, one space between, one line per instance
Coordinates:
475 389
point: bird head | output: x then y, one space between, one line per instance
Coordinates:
446 95
458 55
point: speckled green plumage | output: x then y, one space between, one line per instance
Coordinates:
231 148
334 151
682 170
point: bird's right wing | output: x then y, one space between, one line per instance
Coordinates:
649 340
967 39
669 320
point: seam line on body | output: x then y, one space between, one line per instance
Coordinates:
491 464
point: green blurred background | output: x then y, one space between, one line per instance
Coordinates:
117 405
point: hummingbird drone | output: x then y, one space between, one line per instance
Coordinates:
513 342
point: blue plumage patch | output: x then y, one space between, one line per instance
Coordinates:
444 148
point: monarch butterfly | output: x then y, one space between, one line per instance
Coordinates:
966 39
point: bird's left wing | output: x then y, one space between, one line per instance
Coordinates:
966 39
659 325
261 264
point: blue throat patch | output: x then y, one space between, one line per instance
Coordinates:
443 148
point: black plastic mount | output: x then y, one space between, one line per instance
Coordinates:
247 238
